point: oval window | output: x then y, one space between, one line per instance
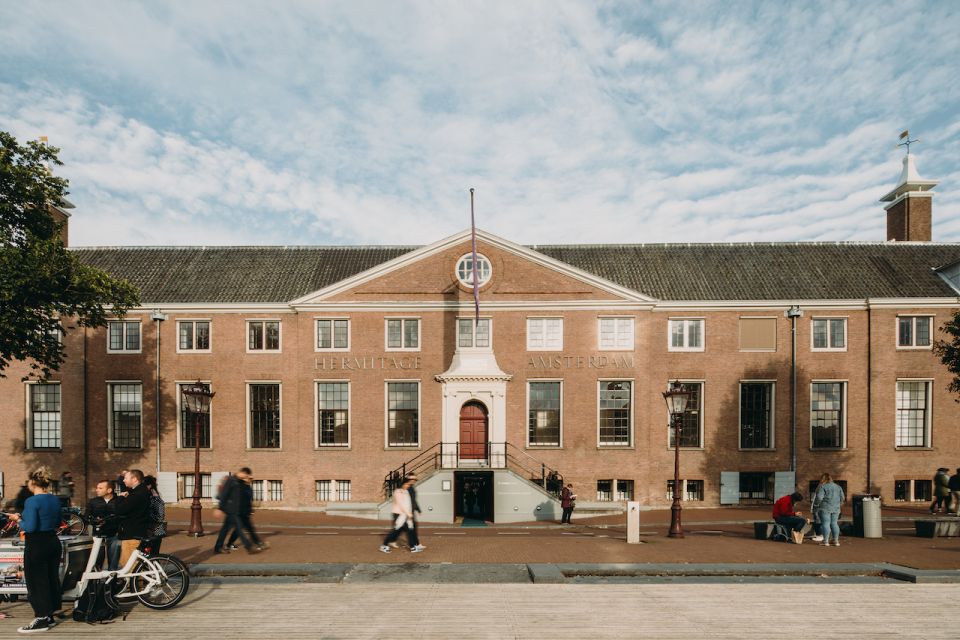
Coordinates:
465 270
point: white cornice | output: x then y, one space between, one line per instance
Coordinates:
908 194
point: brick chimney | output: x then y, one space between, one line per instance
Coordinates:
910 208
62 216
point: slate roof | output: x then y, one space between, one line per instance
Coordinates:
754 271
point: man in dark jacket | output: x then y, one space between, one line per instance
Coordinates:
230 503
104 507
955 492
133 508
245 513
941 492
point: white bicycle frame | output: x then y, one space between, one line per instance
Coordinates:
151 573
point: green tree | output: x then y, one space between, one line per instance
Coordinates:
949 351
42 285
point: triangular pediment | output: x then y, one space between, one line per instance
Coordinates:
428 276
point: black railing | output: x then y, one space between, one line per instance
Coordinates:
497 455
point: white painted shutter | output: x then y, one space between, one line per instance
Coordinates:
216 477
729 487
167 486
784 483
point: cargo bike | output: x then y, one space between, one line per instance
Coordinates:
158 581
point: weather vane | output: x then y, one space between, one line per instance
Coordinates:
905 137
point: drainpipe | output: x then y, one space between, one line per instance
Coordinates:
793 313
869 394
157 318
86 455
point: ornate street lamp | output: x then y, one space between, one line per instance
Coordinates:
676 396
197 398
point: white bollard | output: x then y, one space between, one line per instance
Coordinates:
633 523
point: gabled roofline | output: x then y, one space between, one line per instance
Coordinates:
441 245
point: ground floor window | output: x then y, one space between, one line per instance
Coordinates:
323 490
605 490
257 486
544 417
756 486
756 415
403 414
275 490
616 413
923 490
186 482
913 490
692 490
624 490
343 490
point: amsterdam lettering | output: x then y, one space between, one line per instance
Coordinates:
352 363
580 362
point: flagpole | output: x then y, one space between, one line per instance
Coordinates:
476 287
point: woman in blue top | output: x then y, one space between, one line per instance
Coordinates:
41 555
828 500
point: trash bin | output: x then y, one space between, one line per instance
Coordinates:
866 516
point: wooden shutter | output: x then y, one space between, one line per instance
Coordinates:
729 487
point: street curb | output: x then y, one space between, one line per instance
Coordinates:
316 572
922 576
546 574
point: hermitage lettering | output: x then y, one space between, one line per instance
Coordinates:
580 362
351 363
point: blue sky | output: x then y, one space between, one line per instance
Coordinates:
366 122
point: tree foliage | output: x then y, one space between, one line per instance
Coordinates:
949 351
44 289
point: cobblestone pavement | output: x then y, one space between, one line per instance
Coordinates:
215 610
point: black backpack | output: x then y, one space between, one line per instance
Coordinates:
96 604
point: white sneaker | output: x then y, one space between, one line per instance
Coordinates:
384 548
816 539
418 547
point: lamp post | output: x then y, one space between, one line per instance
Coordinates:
197 397
676 397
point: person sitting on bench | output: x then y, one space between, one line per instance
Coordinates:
784 513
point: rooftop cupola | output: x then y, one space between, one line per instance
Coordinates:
910 205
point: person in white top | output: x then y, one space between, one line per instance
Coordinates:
402 519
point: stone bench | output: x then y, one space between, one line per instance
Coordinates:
763 529
937 527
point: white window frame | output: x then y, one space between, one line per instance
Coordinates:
686 334
546 346
183 476
139 348
316 334
249 425
177 385
340 484
703 392
631 444
246 335
473 339
194 321
403 333
913 331
28 412
773 414
259 487
110 384
268 491
330 492
827 319
928 417
844 387
316 415
616 333
480 260
684 490
559 444
386 414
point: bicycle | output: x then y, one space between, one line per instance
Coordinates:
71 524
158 581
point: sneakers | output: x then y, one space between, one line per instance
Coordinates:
232 547
418 549
263 546
38 625
816 539
384 548
836 543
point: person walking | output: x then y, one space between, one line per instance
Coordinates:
829 499
955 492
815 523
157 528
41 555
403 520
941 492
104 508
785 513
415 522
568 500
133 509
230 499
245 514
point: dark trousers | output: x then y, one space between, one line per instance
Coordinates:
940 501
567 512
394 533
231 521
793 522
41 568
247 524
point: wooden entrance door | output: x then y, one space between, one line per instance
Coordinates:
473 431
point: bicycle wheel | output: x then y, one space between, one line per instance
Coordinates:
76 525
171 590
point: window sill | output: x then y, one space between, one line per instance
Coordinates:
690 350
44 449
181 352
402 447
913 449
684 448
192 449
767 450
826 449
616 447
544 447
267 449
333 448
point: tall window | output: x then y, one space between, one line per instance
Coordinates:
403 409
826 415
126 401
44 418
333 413
616 333
403 333
756 415
686 334
692 418
615 413
544 414
829 334
123 337
333 334
188 422
913 331
544 334
265 416
913 413
193 335
473 333
263 335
